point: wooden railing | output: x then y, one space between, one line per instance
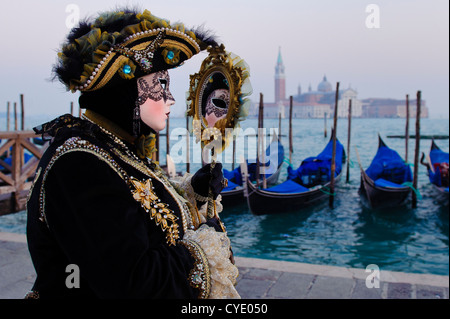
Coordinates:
16 178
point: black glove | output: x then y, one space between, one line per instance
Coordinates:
215 223
204 180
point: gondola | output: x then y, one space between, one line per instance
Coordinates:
437 168
8 161
304 187
233 194
385 182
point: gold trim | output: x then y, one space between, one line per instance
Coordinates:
197 216
97 75
186 37
157 210
112 69
184 210
139 37
36 177
115 66
109 73
171 32
200 275
102 121
182 47
76 144
134 162
218 61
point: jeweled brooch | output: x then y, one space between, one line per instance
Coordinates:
158 211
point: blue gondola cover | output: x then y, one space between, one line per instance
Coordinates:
437 157
286 187
316 170
381 182
272 157
8 160
388 167
230 186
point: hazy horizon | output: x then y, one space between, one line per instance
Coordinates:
406 50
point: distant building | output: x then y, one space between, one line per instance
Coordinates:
315 104
390 108
280 79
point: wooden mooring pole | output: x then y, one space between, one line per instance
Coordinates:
279 127
417 150
333 156
22 115
258 147
188 147
233 163
407 128
168 137
263 149
348 139
15 116
291 143
7 116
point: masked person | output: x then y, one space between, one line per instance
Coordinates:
104 221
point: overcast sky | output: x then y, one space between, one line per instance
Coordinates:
406 50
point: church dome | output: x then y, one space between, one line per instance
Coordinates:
324 86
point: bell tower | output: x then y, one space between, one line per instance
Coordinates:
280 79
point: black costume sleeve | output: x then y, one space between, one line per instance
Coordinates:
104 231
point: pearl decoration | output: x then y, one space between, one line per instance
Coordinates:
132 36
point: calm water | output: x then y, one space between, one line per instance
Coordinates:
404 239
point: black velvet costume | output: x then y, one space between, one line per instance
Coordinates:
91 220
98 202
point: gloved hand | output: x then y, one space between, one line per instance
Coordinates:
204 180
215 223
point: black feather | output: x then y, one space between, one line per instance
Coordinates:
83 28
71 66
111 23
207 37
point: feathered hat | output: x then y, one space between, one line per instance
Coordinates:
122 45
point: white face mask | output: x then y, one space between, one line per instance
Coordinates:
217 106
155 99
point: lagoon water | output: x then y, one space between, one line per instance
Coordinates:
402 239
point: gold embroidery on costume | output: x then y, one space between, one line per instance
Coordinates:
128 157
36 177
199 276
143 193
158 175
71 145
216 249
